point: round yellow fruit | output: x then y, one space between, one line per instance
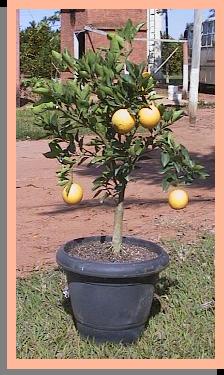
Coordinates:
178 199
122 121
73 195
149 117
146 74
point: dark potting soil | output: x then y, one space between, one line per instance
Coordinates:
102 252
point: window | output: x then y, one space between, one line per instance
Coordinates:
209 40
208 31
205 28
210 27
203 41
208 34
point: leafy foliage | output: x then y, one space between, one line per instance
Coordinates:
175 64
99 88
36 44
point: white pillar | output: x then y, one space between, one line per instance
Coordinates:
158 29
76 46
195 65
185 69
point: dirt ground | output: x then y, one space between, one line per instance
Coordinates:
44 222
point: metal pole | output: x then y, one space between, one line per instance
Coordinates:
166 23
167 59
195 66
185 70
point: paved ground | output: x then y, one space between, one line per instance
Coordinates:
44 221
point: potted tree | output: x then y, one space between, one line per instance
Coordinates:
107 116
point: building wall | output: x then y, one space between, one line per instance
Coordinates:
139 54
106 20
114 18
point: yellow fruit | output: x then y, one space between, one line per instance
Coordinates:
149 117
73 195
122 121
146 74
178 199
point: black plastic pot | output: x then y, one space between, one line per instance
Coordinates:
111 301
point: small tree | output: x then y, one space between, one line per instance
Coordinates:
175 64
88 102
36 43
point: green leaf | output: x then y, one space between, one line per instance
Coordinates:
111 35
165 185
161 108
91 58
85 92
58 88
99 70
170 140
115 47
177 167
41 90
50 154
43 107
68 185
83 74
68 59
57 56
167 115
185 153
128 79
63 182
107 90
130 69
169 179
165 158
67 160
177 115
119 67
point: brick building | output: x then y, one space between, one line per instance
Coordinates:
77 40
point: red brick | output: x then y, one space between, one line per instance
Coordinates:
103 19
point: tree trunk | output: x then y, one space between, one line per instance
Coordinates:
118 224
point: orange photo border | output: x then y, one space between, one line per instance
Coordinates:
12 361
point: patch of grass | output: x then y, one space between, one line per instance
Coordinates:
182 325
25 127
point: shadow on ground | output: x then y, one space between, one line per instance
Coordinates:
90 203
149 170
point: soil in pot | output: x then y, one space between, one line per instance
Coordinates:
102 252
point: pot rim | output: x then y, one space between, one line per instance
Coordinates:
109 269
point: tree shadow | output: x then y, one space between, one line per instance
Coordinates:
110 204
149 170
162 288
149 173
